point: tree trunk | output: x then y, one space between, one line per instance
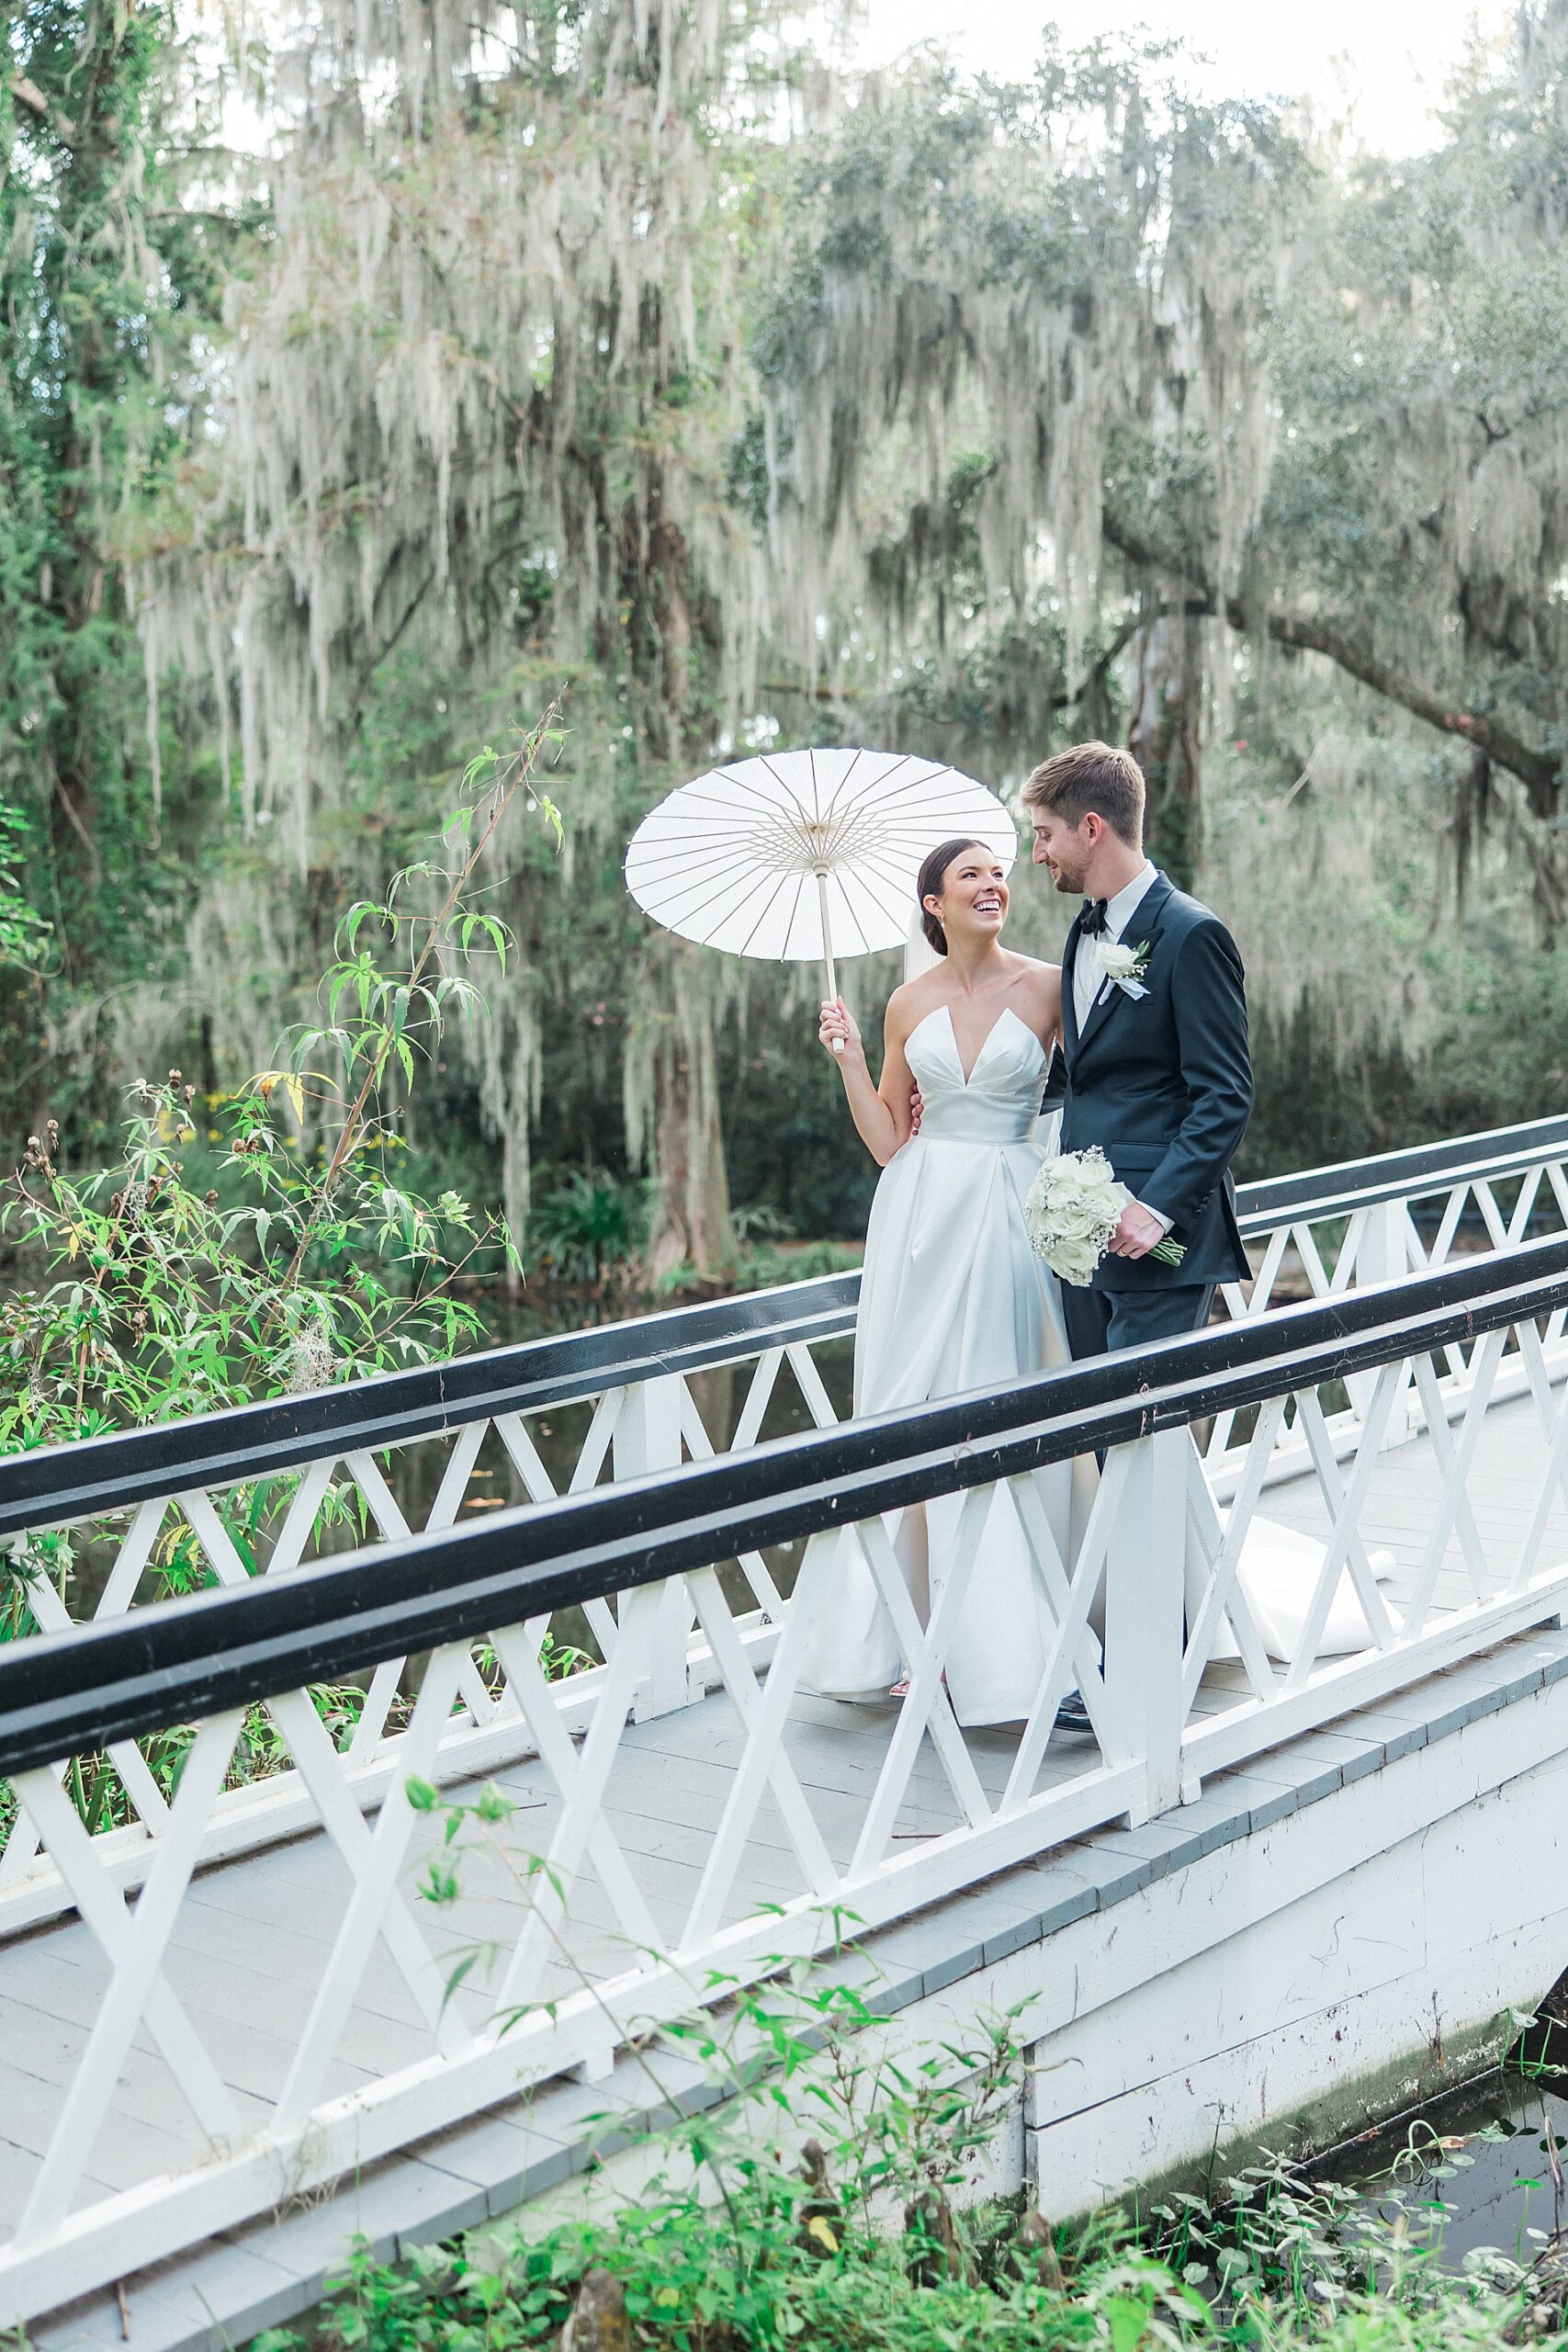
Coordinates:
690 1223
1165 736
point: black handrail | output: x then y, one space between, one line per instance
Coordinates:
53 1485
1491 1155
92 1475
179 1660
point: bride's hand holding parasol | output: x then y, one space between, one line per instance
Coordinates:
837 1031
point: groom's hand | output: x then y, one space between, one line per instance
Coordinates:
1136 1233
916 1110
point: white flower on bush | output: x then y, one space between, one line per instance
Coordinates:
1073 1209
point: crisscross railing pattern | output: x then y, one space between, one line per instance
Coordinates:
272 1490
633 1864
1411 1211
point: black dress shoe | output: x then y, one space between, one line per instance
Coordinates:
1072 1716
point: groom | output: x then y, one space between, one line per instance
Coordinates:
1154 1018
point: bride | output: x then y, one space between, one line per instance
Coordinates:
953 1297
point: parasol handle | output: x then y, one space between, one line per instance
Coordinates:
827 945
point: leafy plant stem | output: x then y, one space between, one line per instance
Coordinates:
512 781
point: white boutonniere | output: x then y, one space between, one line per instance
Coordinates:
1124 966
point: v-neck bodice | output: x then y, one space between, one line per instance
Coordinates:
997 1102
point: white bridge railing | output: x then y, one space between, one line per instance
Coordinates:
99 1529
597 1936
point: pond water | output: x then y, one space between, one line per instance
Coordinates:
414 1472
1474 2169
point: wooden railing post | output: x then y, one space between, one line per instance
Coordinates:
1144 1604
659 1617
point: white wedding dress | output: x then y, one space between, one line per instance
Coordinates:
953 1297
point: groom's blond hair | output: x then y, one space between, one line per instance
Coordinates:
1091 775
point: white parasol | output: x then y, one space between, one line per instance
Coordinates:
801 855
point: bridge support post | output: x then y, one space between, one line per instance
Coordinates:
1145 1605
1382 1255
648 1438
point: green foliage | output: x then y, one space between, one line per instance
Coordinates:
1320 1099
769 2268
23 932
308 1260
305 1262
1422 369
767 2214
1497 1054
766 1265
588 1226
108 283
1506 1045
784 1131
746 472
1413 317
746 2240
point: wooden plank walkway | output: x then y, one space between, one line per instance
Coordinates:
253 1935
267 2272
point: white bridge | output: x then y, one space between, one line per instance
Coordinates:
227 2033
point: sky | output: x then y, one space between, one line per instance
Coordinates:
1384 61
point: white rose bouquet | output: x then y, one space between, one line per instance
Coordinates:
1074 1207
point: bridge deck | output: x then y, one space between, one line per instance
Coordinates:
251 1942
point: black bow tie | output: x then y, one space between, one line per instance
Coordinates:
1091 919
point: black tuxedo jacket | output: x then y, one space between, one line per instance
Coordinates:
1163 1084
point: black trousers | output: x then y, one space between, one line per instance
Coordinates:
1101 1321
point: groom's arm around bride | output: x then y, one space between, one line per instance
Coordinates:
1158 1073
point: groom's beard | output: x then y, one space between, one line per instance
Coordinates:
1070 883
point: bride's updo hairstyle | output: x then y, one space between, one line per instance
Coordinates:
929 885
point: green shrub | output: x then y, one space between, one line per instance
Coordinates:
871 2234
588 1226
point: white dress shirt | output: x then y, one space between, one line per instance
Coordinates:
1088 982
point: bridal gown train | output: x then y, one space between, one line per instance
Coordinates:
953 1297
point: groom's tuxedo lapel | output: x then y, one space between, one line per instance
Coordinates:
1146 923
1069 994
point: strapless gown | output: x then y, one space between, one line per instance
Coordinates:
952 1298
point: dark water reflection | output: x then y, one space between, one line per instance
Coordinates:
719 1395
414 1472
1473 2169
